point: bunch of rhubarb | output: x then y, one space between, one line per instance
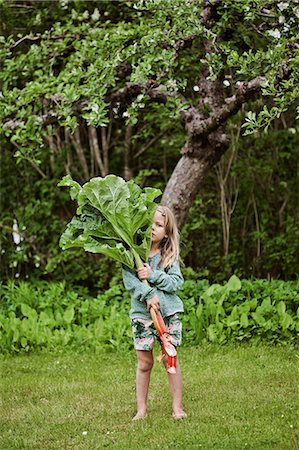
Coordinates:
167 348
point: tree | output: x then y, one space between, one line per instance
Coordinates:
111 65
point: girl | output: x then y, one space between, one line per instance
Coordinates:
164 278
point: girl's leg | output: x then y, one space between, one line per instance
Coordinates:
145 363
176 388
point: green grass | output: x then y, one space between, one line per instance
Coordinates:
236 398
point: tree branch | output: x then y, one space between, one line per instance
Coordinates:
209 10
130 91
197 126
149 143
38 37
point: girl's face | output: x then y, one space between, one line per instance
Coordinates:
158 227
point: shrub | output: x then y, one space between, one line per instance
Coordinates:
252 310
51 316
48 315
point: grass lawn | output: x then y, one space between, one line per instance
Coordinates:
236 397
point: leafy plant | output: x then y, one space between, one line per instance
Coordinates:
243 310
43 315
114 217
48 315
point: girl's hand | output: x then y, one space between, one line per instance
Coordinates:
144 272
154 303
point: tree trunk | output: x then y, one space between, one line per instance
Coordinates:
189 175
128 173
94 146
184 185
76 141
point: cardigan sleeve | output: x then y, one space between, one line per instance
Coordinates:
138 290
168 280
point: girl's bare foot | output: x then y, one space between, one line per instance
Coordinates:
140 416
178 415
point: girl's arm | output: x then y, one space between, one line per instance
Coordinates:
170 281
135 287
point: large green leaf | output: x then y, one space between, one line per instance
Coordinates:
75 187
234 284
114 217
76 236
123 204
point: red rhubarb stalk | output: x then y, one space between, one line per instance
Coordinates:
163 335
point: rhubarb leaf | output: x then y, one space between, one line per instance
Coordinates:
114 218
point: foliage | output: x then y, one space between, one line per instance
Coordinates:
242 311
263 240
61 65
72 67
28 203
49 315
38 211
113 218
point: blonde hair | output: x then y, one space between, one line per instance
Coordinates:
170 244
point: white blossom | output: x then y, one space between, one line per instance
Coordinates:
96 15
95 107
84 433
172 84
274 33
283 5
18 248
64 4
126 114
226 83
15 233
17 275
195 88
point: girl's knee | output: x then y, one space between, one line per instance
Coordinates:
145 361
145 366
